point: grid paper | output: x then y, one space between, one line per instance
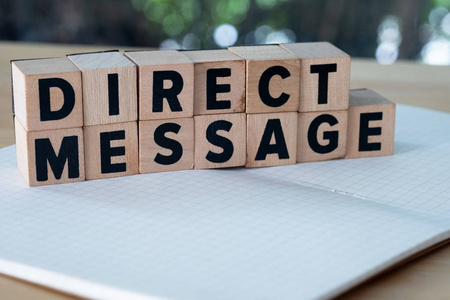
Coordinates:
306 231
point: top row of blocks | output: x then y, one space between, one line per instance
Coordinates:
103 88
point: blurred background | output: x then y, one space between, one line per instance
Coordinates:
387 30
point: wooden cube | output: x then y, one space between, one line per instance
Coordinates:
111 150
324 76
219 86
166 84
371 125
47 93
50 156
271 139
109 87
272 78
321 135
166 145
220 141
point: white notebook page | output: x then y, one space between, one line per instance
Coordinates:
304 231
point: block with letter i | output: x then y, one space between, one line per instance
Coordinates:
324 76
272 78
110 114
271 139
47 99
371 125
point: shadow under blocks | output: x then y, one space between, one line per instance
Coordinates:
107 114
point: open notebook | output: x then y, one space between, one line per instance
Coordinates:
303 231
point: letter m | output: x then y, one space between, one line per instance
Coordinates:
68 151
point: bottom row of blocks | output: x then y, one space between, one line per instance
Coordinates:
209 141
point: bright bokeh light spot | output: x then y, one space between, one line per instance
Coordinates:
225 35
169 44
280 36
445 24
436 52
261 34
387 53
436 15
190 41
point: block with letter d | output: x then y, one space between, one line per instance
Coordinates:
47 102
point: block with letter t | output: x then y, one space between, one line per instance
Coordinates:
324 76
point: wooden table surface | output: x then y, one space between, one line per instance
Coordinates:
427 277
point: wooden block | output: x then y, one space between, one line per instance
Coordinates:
219 86
321 135
50 156
325 76
271 139
371 125
47 93
109 87
272 78
111 150
220 141
166 84
166 145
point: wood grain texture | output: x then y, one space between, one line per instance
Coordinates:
27 151
148 63
280 129
231 84
330 135
379 127
211 151
404 82
262 61
96 68
313 55
26 75
179 130
122 160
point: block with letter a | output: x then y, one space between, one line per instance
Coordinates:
371 125
271 139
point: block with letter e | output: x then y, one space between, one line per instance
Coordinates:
324 76
165 84
371 125
271 139
219 86
109 87
272 78
111 150
220 141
